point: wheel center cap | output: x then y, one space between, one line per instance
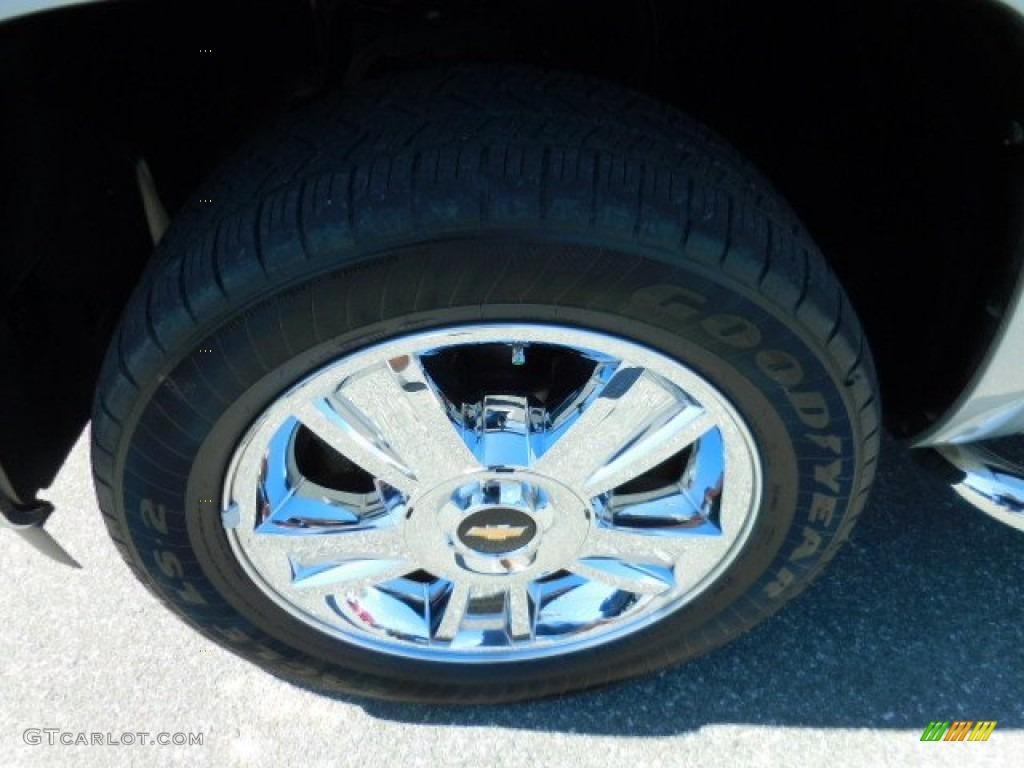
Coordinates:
497 531
491 526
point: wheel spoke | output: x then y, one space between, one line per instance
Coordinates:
635 424
250 488
391 422
641 545
519 621
688 554
640 578
355 557
340 427
383 541
455 611
301 513
350 572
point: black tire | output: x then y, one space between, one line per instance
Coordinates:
452 197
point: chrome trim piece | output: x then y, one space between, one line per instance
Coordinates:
989 482
500 529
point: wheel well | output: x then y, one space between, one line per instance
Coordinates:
892 126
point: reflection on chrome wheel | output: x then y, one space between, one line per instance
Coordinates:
384 501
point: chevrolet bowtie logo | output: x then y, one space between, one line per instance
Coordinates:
496 532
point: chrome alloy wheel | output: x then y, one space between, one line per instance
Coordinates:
492 493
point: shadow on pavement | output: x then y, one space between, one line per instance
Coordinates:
919 618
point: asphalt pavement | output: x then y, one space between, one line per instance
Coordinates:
919 618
